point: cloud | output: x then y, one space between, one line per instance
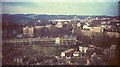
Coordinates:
15 9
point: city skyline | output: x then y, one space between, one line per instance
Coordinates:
61 8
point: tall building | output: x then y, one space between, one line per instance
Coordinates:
28 30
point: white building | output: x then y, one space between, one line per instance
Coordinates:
57 40
86 27
39 20
39 27
93 29
83 49
67 53
112 34
78 24
60 20
59 25
25 30
80 48
76 54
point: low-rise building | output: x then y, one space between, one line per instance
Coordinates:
59 25
38 27
83 49
89 33
112 34
67 53
78 25
86 27
57 40
76 54
96 29
93 29
60 20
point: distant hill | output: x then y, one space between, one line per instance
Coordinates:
25 18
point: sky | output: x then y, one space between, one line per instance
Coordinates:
61 7
60 0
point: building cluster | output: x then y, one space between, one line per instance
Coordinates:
82 55
73 28
89 53
105 26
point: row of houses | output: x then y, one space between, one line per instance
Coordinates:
53 40
99 31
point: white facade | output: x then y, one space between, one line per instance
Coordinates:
85 49
78 24
80 48
62 54
57 40
61 20
59 25
76 54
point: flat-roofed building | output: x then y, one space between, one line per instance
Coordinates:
86 27
25 30
38 27
59 25
83 49
67 53
93 29
78 25
112 34
60 20
28 30
96 29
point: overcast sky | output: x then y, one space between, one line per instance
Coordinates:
60 0
93 7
